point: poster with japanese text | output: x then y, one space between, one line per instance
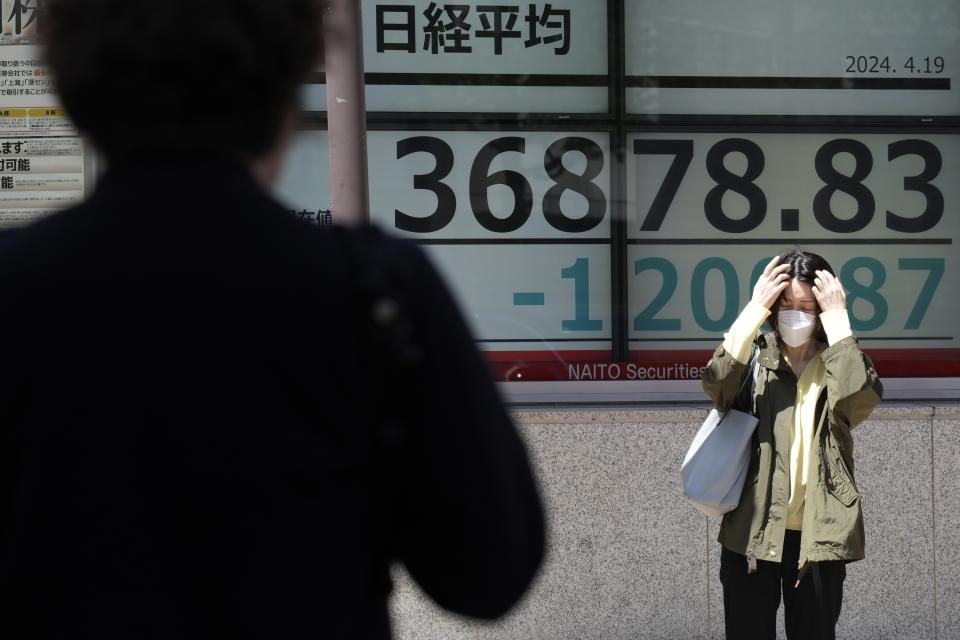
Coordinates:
28 100
38 177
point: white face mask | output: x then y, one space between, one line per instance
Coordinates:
796 327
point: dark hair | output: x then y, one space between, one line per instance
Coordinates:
181 75
803 267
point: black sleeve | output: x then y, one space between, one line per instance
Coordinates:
471 523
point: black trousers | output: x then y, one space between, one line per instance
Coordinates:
751 600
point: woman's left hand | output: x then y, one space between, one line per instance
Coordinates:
828 291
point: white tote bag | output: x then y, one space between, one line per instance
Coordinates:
715 468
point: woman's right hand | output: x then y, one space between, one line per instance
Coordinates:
771 284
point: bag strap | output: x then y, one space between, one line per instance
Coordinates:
753 365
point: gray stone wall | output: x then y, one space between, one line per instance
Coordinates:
630 559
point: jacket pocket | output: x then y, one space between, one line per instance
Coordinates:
837 477
844 492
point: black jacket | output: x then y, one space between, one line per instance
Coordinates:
199 436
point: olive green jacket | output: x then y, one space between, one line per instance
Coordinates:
832 519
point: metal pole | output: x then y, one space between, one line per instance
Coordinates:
346 111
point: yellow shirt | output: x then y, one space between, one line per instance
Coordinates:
809 384
738 342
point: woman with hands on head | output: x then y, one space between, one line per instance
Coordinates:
799 520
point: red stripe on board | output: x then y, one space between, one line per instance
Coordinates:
916 363
548 356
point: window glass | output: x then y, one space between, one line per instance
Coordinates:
600 182
816 57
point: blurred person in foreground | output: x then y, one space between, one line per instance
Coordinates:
204 432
